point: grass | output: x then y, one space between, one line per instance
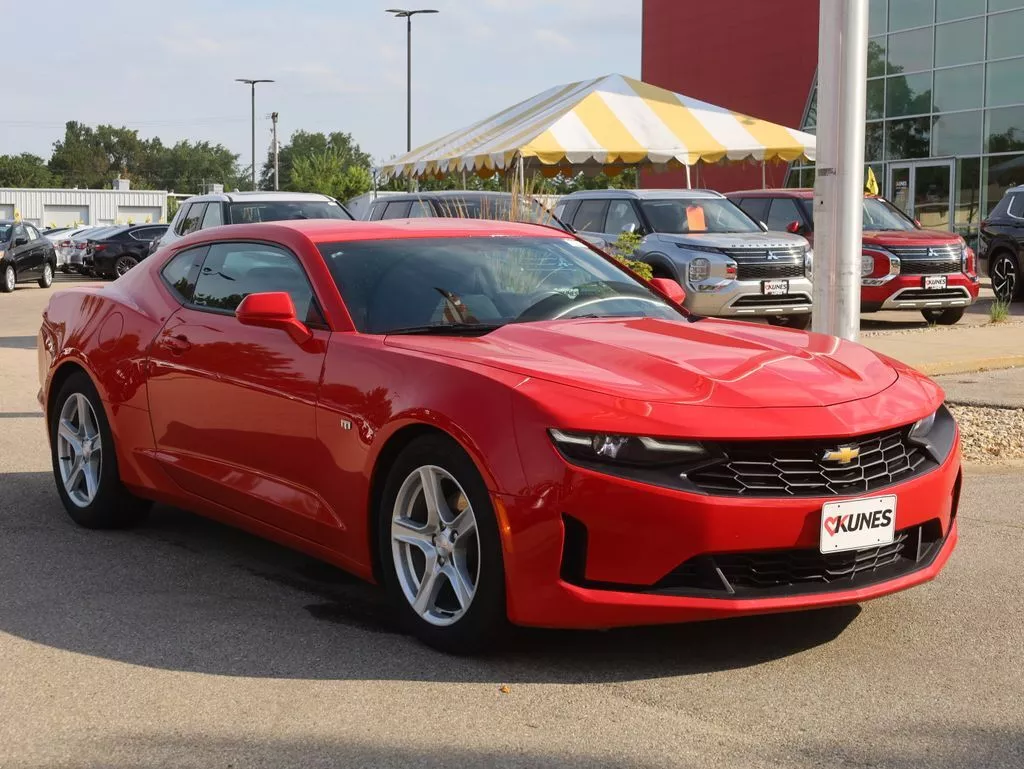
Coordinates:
999 312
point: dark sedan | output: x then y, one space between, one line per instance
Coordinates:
120 250
25 256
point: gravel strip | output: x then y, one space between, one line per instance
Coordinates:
933 329
990 435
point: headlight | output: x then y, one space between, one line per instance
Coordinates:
867 265
809 263
627 450
699 269
924 426
935 434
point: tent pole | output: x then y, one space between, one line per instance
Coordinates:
764 185
521 169
688 184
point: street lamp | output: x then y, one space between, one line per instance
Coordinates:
252 85
401 13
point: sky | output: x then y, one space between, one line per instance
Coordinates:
168 68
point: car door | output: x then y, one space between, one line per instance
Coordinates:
38 247
26 254
233 407
590 218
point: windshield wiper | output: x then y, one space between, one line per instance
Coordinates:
449 329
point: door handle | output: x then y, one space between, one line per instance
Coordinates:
177 344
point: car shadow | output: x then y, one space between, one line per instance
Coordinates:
18 342
180 592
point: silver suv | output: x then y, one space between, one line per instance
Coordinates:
203 211
728 264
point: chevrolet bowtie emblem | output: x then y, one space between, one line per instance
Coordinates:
844 455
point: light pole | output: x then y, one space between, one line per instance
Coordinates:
401 13
252 85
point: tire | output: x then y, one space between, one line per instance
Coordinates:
123 264
47 279
444 621
1007 280
8 280
947 317
799 322
103 503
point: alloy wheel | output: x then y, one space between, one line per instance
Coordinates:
124 264
1005 277
9 278
47 275
79 450
435 545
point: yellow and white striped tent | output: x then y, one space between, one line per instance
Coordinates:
604 124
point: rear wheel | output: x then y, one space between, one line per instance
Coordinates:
439 548
1006 277
947 317
9 279
47 278
123 264
84 460
799 322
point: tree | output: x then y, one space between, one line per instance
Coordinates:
80 159
304 144
25 170
329 173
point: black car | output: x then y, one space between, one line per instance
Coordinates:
460 204
117 252
1002 246
25 256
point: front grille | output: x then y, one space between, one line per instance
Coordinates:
760 300
922 294
803 570
782 254
799 468
947 252
763 270
930 266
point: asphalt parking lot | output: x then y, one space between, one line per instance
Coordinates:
184 643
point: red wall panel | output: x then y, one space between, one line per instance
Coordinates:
757 57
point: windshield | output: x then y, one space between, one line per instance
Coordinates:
424 285
5 233
676 216
882 215
498 208
276 211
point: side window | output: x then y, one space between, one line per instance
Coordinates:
376 211
420 209
590 216
214 216
147 234
232 271
621 216
193 219
19 232
756 208
1015 207
396 210
33 233
180 272
782 213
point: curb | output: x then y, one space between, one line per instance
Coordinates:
968 366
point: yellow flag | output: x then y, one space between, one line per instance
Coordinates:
871 185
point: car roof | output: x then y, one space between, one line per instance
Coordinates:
698 194
7 221
782 192
334 230
259 196
436 194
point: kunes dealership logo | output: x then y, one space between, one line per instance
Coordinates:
877 519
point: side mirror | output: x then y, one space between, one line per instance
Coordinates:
763 226
273 309
631 228
21 240
917 223
795 227
670 289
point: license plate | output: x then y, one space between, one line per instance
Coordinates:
934 282
857 523
774 287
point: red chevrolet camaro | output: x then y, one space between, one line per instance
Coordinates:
499 424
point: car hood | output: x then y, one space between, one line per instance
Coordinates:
909 238
703 363
735 239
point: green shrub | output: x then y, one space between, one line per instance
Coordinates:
623 249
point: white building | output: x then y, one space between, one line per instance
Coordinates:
61 208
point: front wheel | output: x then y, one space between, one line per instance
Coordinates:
47 278
123 264
439 548
1006 277
9 279
84 460
799 322
947 317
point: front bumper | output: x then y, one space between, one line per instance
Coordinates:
907 292
637 534
745 298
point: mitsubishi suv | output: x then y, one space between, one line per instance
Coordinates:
903 267
728 263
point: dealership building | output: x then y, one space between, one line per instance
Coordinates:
945 92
